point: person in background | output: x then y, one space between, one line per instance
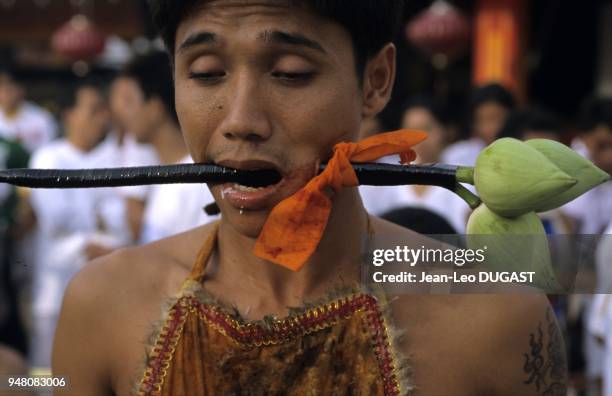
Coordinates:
21 120
600 315
125 151
592 212
421 113
12 283
73 225
538 123
423 221
170 208
490 107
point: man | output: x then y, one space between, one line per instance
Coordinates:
490 107
149 99
75 225
126 151
20 120
592 212
276 85
421 113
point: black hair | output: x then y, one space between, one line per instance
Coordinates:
153 74
596 112
423 221
69 98
428 103
495 93
531 119
371 23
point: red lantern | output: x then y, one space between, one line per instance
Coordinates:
78 39
440 30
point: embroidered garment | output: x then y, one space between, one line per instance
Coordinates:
342 347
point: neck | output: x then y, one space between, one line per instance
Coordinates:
78 142
272 288
168 143
11 111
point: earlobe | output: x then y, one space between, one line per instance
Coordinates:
378 80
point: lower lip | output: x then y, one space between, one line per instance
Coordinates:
251 200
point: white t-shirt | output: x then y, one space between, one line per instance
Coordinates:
593 210
32 126
381 199
175 208
69 219
127 154
464 152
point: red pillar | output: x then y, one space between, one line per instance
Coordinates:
499 36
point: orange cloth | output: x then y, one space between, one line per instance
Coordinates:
295 226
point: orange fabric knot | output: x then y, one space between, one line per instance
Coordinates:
295 226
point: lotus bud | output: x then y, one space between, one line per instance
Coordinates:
513 244
513 178
584 171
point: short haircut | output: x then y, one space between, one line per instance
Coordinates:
428 103
69 99
153 74
492 93
531 119
596 112
371 23
421 220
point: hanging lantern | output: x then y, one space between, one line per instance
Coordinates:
440 31
78 39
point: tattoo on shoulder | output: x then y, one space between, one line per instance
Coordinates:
545 363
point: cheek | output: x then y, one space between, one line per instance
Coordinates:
320 117
198 117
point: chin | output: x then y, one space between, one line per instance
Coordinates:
248 224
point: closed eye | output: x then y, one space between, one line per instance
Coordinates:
289 76
207 77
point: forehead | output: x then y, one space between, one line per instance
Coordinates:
250 20
88 95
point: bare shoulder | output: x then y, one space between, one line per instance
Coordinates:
493 344
110 306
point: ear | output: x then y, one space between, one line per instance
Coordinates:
378 79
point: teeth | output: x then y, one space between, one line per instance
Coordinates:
240 187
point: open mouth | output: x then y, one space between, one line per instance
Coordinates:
256 184
252 180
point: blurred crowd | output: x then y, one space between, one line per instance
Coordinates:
49 234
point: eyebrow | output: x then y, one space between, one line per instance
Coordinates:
268 36
197 39
280 37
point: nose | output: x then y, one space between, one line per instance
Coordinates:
245 118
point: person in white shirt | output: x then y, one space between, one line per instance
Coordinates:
125 151
73 225
170 209
600 313
490 107
424 114
20 120
592 211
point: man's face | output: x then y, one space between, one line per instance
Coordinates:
263 85
489 119
421 118
599 144
11 93
89 117
130 110
124 100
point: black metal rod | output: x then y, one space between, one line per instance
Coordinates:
368 173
